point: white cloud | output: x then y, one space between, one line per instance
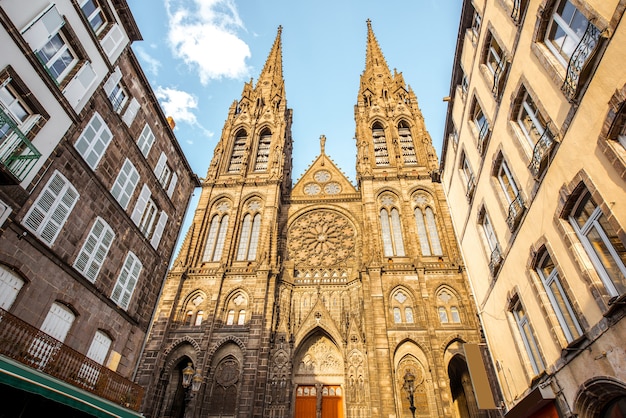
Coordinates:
203 33
151 63
180 105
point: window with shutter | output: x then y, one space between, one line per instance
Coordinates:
145 140
127 281
50 211
94 140
10 286
95 249
125 184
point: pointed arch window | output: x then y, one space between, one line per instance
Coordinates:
263 153
239 152
406 143
192 311
250 230
391 232
427 231
448 308
215 240
381 153
402 307
236 309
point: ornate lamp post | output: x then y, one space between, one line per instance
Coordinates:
409 386
192 377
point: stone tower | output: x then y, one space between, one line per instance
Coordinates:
316 300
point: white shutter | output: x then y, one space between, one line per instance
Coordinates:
99 347
58 321
127 280
10 286
78 86
111 41
158 231
43 28
95 249
131 112
125 184
52 208
160 166
170 189
140 206
112 81
145 140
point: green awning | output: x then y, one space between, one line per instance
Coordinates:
23 377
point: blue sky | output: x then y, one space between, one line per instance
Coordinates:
198 53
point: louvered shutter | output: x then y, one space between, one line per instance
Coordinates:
158 231
140 206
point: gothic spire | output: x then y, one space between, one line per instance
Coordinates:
272 75
374 60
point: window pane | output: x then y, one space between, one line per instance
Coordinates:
397 232
421 232
397 318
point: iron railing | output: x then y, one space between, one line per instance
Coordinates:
483 138
495 261
17 153
34 348
470 187
516 210
541 153
579 57
518 10
498 78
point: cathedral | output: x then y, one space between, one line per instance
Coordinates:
320 298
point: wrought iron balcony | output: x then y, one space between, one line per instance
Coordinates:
34 348
470 187
495 261
498 78
541 152
518 10
483 138
516 210
17 153
579 58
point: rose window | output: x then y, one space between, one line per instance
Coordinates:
321 239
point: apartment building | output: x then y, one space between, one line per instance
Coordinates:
534 169
93 190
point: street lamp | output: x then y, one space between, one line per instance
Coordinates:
187 375
409 386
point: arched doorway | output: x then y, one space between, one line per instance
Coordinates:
463 397
319 379
177 394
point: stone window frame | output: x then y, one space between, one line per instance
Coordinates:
395 305
393 228
523 90
263 149
481 138
379 161
467 175
568 197
220 214
232 311
237 155
609 141
514 208
191 308
493 250
547 58
249 233
536 252
528 363
494 77
430 236
453 303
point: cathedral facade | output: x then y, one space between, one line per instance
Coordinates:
319 298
